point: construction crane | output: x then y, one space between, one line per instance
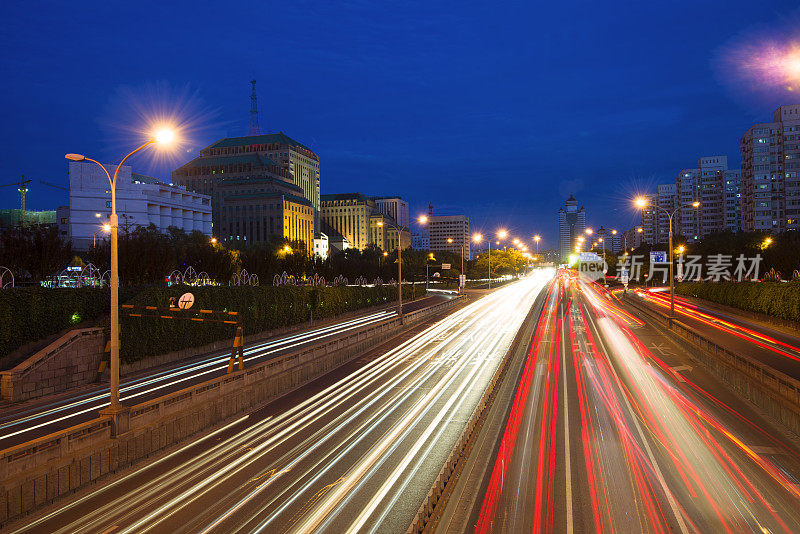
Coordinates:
22 187
54 185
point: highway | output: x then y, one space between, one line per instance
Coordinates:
773 347
19 423
613 428
354 451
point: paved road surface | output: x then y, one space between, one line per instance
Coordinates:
19 423
613 429
356 450
775 348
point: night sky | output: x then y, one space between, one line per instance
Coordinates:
495 110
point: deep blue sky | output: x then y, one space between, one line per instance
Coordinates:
496 110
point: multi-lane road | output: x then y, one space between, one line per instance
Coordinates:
770 345
614 429
19 423
607 425
355 450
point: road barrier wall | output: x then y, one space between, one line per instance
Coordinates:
774 392
40 471
70 361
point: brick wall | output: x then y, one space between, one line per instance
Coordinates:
69 361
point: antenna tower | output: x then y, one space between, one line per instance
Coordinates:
254 129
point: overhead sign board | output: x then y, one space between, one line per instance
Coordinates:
445 266
658 256
589 256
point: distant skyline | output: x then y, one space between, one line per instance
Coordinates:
498 112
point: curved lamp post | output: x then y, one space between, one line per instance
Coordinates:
642 203
162 137
422 220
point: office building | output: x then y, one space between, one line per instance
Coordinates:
612 239
771 173
419 240
571 225
141 201
357 218
733 200
321 246
250 157
449 233
10 218
632 238
394 207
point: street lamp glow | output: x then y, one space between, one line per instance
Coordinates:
580 239
589 231
681 249
449 239
422 219
695 204
767 242
287 249
213 240
613 232
502 234
640 229
385 253
164 136
640 202
106 227
477 238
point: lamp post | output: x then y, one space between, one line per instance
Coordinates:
115 408
422 220
641 202
450 240
427 265
501 234
536 239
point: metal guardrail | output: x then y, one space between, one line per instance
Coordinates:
176 400
431 508
782 391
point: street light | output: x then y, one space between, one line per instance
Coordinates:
103 228
162 137
422 220
450 240
641 202
502 234
536 238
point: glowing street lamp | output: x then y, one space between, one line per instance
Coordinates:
115 409
536 239
641 202
502 234
422 219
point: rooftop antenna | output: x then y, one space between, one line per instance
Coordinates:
254 129
430 210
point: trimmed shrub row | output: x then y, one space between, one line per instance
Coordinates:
260 309
30 314
777 299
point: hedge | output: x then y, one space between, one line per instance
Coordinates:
260 309
32 313
777 299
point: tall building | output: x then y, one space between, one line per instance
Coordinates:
253 197
419 240
706 184
357 218
571 224
632 238
771 173
655 221
449 233
612 239
394 207
253 156
141 201
733 200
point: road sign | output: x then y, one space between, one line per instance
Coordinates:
588 256
186 301
658 256
445 266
